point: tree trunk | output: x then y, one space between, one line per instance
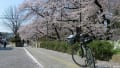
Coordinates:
57 33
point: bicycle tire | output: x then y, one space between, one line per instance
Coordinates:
90 58
78 56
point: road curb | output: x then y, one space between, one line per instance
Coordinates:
33 58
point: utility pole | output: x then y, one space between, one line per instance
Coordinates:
80 12
78 28
47 31
47 28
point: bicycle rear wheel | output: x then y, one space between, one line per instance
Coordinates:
78 56
90 58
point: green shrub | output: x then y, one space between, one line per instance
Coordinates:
12 40
117 51
102 50
61 46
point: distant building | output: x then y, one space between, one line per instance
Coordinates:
6 35
10 35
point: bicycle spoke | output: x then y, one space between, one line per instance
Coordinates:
79 57
90 58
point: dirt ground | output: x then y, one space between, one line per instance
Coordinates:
116 58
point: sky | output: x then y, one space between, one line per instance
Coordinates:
4 5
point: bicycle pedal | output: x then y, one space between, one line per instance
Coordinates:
82 56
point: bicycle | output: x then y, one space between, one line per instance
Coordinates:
82 54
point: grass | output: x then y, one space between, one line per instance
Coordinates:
117 51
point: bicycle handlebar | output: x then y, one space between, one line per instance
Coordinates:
83 38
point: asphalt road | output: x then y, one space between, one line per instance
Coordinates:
15 58
52 59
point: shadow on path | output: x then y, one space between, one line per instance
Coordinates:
102 67
7 48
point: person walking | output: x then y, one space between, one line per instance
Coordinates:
4 42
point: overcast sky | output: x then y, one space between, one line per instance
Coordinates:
4 5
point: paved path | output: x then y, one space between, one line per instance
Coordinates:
15 58
53 59
19 58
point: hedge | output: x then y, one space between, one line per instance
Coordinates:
102 50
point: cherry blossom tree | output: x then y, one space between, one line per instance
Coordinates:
68 14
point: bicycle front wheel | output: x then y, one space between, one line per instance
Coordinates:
78 56
90 58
